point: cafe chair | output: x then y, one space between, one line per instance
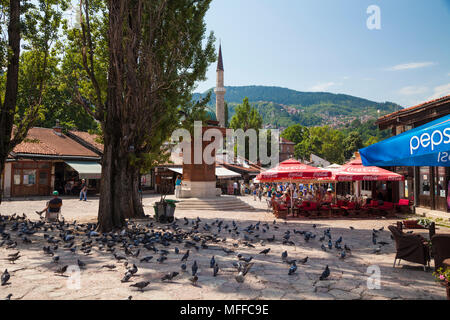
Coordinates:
441 250
410 247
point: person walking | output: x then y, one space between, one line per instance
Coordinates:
83 191
235 188
178 186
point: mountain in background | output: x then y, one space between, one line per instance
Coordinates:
282 107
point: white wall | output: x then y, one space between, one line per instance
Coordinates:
7 177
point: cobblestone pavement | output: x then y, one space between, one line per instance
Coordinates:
33 277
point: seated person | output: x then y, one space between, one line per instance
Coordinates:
54 205
328 198
309 196
286 198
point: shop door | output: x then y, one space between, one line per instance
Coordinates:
441 191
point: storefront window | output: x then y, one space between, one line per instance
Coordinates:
43 178
17 179
425 181
29 177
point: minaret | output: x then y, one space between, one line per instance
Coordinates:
220 91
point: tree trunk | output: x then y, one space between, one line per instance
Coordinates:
119 197
7 109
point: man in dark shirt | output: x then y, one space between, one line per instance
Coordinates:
54 205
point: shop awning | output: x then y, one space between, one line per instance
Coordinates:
86 170
427 145
221 173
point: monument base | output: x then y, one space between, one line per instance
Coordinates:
199 189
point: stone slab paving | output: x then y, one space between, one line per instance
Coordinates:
32 276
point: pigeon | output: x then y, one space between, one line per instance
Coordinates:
183 267
323 247
14 254
352 228
292 269
146 259
5 277
81 264
140 285
248 259
325 273
61 270
304 260
343 254
126 277
215 270
55 259
347 248
177 251
265 251
212 262
374 239
161 259
8 297
12 259
109 266
194 268
119 257
169 276
330 245
242 271
194 280
185 256
133 269
284 256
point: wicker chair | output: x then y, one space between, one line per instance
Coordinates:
410 247
279 210
440 249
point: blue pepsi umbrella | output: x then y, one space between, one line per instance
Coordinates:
427 145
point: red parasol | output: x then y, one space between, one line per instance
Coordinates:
355 171
292 169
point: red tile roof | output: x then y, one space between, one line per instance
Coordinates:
43 141
90 139
414 107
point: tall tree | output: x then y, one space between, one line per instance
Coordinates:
352 143
156 56
38 24
246 117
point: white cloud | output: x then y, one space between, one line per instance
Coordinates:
323 86
412 90
412 65
440 91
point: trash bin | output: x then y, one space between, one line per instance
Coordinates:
170 209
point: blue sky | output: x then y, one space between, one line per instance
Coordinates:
325 45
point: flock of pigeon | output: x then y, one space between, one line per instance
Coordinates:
158 242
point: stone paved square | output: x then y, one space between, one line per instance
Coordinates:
33 274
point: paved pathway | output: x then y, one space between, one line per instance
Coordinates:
32 276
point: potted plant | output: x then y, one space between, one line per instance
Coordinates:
443 277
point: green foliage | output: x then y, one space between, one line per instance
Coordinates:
281 107
351 144
246 117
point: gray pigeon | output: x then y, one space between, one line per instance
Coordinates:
5 277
